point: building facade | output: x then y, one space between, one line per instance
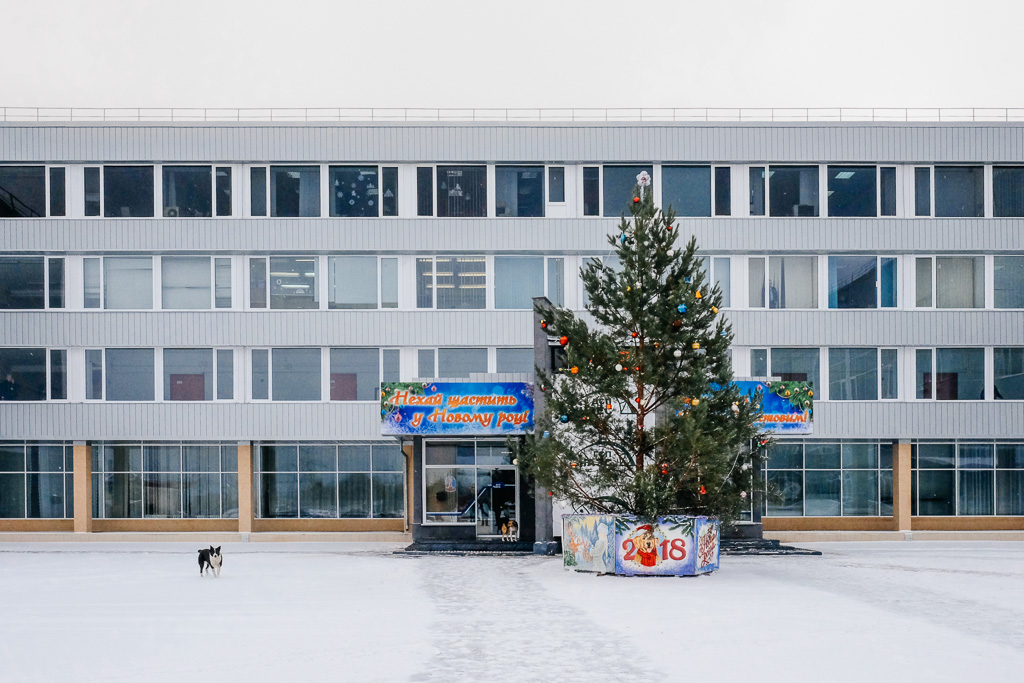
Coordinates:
196 317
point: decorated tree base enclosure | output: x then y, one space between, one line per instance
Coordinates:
676 545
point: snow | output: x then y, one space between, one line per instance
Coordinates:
935 611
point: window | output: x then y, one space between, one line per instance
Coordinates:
223 187
424 191
887 193
128 191
425 363
22 191
519 191
92 191
1008 191
31 282
188 191
956 375
292 283
718 271
460 363
959 191
190 375
861 281
461 191
619 182
515 360
127 282
185 282
330 480
1009 374
129 375
556 184
389 191
469 482
922 191
355 374
460 282
795 365
1009 281
36 481
58 374
957 281
862 374
165 480
686 189
591 191
258 191
94 374
757 191
792 282
967 478
353 282
723 191
354 191
852 191
294 374
793 190
294 191
1010 478
23 374
517 279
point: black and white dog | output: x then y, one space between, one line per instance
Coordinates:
210 560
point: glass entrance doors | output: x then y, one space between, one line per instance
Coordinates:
470 482
496 500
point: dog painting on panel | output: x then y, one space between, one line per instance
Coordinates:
210 559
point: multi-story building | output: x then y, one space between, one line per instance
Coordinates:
196 316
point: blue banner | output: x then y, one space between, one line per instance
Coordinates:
788 407
456 408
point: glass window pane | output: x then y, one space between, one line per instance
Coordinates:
12 457
960 374
1009 374
355 374
723 278
821 456
453 363
851 282
450 494
354 495
294 191
56 268
22 374
223 191
757 191
973 456
822 493
852 191
888 287
793 282
159 458
755 274
388 495
388 459
279 495
785 494
556 281
461 282
786 455
355 458
260 374
225 374
889 375
959 191
888 191
389 191
354 191
924 373
1009 281
22 282
258 283
519 191
93 374
122 496
391 371
200 458
389 283
58 194
128 191
296 374
860 455
793 190
935 491
976 493
293 282
795 365
936 455
424 191
201 495
318 494
12 495
462 191
425 363
22 191
279 457
922 192
185 282
1010 492
960 282
129 375
1007 191
591 191
759 362
860 493
128 282
556 184
515 360
853 374
424 283
619 182
923 281
723 191
517 279
885 493
188 374
44 496
352 282
188 191
258 191
493 453
222 282
686 189
1010 455
92 191
58 374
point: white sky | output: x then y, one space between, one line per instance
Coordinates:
522 53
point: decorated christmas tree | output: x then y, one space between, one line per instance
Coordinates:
643 418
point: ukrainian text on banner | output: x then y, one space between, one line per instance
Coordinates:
787 407
456 408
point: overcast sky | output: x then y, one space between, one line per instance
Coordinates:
517 53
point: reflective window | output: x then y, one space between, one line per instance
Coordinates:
295 374
456 363
686 189
519 191
757 191
223 180
460 282
294 191
959 191
922 191
1008 191
36 481
58 192
853 374
723 191
792 282
58 374
425 363
889 374
225 374
355 374
517 279
1009 281
92 191
129 375
128 282
887 191
389 191
258 191
424 191
960 282
861 281
188 191
515 360
461 191
185 282
22 282
795 365
22 191
591 191
1009 374
958 374
352 282
556 281
222 282
852 191
556 184
823 479
293 282
22 374
793 190
188 375
260 374
619 182
128 191
355 191
718 270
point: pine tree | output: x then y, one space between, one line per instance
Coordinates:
643 419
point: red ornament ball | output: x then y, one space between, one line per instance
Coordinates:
563 340
636 200
703 490
543 325
635 335
664 471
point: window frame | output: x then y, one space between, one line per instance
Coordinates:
545 264
47 285
987 279
488 284
878 282
475 467
215 391
47 352
819 283
987 379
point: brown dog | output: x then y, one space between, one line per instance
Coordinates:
510 531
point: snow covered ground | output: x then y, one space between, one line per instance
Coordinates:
355 612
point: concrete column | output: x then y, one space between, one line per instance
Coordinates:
542 501
82 478
245 493
901 486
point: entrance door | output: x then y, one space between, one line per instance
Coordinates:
496 499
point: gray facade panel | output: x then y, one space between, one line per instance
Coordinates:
920 420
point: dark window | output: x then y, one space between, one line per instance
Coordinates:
22 191
686 189
424 191
591 191
461 191
793 190
852 191
58 374
1008 191
1009 374
258 191
223 191
128 191
58 198
22 374
519 191
187 191
959 191
556 184
294 191
56 267
723 191
619 182
21 282
757 191
888 191
389 191
960 374
354 191
922 192
851 282
92 191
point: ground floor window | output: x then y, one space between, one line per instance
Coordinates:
36 480
967 478
469 482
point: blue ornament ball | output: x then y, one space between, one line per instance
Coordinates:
564 418
681 308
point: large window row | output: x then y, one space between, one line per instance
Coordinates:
36 481
967 478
